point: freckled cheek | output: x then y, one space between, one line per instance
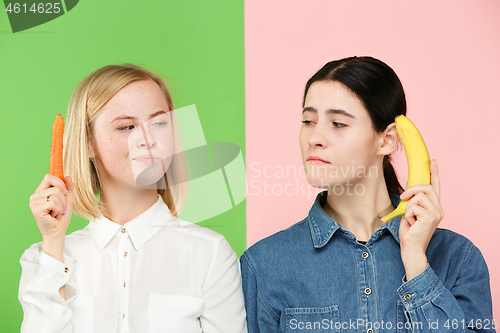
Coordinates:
114 153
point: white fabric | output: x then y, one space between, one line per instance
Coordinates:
161 274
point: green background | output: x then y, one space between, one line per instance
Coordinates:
197 44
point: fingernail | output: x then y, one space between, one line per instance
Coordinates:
436 163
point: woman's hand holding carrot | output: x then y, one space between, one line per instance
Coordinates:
51 205
52 202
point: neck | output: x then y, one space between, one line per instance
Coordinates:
359 211
123 205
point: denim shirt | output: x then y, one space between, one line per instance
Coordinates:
316 277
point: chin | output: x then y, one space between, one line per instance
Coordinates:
151 182
321 183
340 187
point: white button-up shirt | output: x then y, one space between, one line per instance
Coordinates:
156 273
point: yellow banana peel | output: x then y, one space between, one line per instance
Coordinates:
418 159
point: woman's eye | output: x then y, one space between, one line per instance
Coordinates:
126 128
306 122
161 123
339 125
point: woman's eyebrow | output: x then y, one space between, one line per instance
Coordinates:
329 111
151 116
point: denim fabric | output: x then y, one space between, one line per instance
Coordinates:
316 277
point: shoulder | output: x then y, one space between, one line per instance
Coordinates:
282 240
193 237
451 239
193 243
454 258
451 249
273 248
194 231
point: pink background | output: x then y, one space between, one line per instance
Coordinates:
447 55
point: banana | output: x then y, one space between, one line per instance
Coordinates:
418 159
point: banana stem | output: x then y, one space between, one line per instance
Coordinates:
399 211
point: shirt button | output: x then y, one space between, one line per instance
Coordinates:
66 269
407 297
364 255
370 330
123 315
368 291
123 284
125 254
123 231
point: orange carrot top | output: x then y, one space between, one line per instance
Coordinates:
56 151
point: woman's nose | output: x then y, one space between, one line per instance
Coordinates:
318 137
146 139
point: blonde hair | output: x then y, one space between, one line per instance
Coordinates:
87 99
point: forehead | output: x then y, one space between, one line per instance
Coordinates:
135 99
324 95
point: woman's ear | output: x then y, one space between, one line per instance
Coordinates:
388 140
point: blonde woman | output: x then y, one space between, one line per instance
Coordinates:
136 267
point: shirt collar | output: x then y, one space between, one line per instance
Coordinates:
140 229
323 227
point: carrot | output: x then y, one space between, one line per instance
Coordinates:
56 151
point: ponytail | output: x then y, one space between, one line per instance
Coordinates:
391 180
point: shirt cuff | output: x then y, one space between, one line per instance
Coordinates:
421 289
60 271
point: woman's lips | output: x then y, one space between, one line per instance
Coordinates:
316 160
147 159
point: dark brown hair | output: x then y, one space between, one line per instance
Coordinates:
380 90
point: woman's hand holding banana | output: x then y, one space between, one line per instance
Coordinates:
423 214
